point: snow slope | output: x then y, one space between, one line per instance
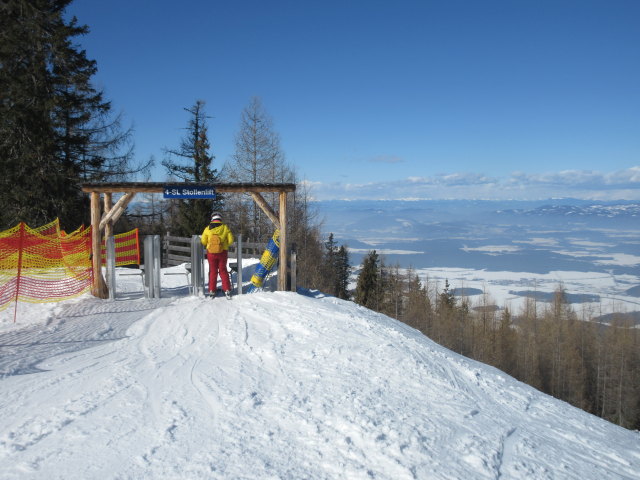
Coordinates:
275 385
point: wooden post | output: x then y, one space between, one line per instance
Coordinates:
108 233
108 203
284 250
98 288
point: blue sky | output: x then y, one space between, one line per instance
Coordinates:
391 99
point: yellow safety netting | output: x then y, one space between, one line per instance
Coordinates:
45 264
42 264
127 249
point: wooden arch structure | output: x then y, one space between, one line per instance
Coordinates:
103 222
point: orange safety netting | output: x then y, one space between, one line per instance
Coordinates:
44 264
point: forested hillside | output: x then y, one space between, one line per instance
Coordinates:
591 365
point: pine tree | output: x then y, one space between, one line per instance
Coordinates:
506 338
191 162
418 312
393 292
335 269
343 273
329 269
368 286
258 158
447 298
56 128
448 333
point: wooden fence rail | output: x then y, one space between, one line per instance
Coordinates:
177 250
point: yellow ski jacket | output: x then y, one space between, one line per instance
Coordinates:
220 229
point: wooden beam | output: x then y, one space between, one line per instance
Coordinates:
284 248
98 288
262 203
116 212
158 187
241 188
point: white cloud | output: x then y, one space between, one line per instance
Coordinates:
466 179
629 176
588 179
585 184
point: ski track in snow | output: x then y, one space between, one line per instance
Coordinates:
276 385
75 327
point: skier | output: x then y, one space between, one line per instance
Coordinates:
216 238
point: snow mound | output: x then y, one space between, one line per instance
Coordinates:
276 385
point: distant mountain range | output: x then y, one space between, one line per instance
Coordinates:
526 236
357 219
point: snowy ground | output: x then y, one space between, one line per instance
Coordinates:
272 385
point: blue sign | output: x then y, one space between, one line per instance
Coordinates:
189 191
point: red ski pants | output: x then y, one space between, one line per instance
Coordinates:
218 264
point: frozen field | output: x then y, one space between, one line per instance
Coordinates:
506 249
